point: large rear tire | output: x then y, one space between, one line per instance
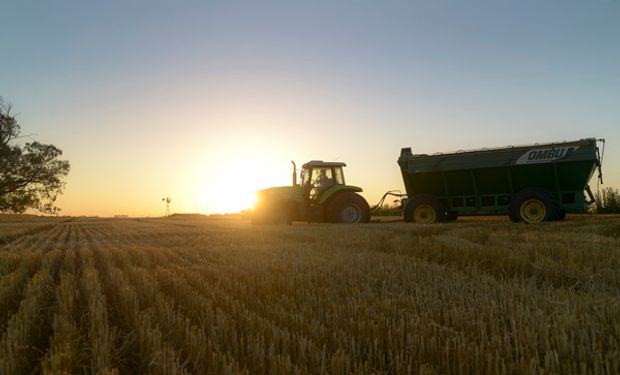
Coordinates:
533 206
349 208
424 209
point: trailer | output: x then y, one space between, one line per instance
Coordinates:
531 183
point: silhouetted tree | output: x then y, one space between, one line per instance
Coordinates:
31 174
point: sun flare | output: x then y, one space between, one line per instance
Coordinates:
231 185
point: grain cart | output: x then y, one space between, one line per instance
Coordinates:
322 196
534 183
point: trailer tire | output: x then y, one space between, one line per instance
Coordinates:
533 206
424 209
349 208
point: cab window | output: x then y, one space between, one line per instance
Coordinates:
338 176
305 177
322 177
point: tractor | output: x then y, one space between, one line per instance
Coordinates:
321 195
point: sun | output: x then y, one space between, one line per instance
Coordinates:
228 198
229 186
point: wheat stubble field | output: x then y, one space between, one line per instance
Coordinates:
173 296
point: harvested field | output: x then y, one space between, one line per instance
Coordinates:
194 295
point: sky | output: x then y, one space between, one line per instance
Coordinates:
207 101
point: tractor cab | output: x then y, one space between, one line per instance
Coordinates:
318 176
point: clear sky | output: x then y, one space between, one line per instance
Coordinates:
208 101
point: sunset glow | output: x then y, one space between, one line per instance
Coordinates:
214 105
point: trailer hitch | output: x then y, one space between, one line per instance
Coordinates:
393 193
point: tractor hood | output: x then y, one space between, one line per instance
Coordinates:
276 190
279 193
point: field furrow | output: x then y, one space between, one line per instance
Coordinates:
552 259
12 284
195 348
154 353
25 335
63 355
100 334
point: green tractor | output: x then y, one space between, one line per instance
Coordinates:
321 196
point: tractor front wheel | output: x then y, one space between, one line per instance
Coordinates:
259 218
348 208
276 214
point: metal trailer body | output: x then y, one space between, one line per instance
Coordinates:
486 181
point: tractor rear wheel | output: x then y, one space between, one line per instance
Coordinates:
533 206
348 207
424 209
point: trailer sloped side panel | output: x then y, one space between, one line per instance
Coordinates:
483 181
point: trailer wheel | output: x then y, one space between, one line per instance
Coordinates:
348 207
424 209
533 206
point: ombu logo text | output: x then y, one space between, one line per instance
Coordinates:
544 155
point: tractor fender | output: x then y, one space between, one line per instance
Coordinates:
336 189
